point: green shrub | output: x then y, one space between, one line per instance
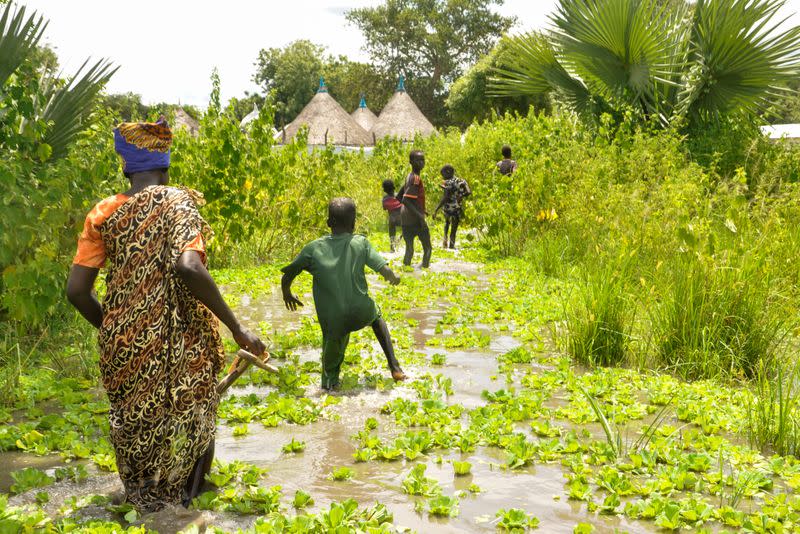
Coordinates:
600 318
717 320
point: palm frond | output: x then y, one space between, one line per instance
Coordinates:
742 54
67 106
19 36
529 66
628 51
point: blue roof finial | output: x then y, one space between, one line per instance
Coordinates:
363 103
322 87
401 84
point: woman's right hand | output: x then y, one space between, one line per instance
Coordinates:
249 341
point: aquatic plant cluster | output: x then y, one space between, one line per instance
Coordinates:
647 447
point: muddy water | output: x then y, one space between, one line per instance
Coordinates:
538 489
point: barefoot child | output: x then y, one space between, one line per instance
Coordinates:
393 209
455 190
341 298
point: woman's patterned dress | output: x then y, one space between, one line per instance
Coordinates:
160 351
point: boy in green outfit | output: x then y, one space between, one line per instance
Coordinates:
341 298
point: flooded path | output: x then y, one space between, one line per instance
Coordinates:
538 489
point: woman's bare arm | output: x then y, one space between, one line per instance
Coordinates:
80 293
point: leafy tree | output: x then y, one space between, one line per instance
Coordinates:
349 80
665 62
430 41
292 75
468 101
128 106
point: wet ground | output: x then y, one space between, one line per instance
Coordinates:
539 489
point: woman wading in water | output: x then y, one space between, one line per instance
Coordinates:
160 351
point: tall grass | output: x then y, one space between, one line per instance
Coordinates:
600 318
717 321
773 414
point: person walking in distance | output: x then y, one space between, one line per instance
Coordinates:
506 166
413 212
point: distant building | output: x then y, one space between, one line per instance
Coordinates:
363 116
327 122
781 131
183 121
401 118
250 117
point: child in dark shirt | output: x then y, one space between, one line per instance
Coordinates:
454 191
393 209
341 297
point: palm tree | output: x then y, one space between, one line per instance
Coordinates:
669 62
63 105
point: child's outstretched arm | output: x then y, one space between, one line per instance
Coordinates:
438 207
291 301
388 275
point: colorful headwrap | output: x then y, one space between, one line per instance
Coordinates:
143 146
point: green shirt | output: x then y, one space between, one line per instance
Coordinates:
341 297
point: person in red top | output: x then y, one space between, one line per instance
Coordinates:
413 212
393 208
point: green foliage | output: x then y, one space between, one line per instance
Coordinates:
461 468
665 64
19 37
29 478
717 320
341 473
127 107
291 76
294 446
430 42
48 150
416 483
515 520
302 499
598 324
443 505
773 415
467 100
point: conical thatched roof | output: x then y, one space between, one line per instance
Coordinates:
250 117
363 116
183 121
327 122
401 118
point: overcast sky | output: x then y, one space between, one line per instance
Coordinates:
166 49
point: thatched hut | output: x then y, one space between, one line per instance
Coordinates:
327 122
363 116
250 117
183 121
401 118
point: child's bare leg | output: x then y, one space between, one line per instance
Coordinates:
453 230
392 236
381 330
408 237
446 229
